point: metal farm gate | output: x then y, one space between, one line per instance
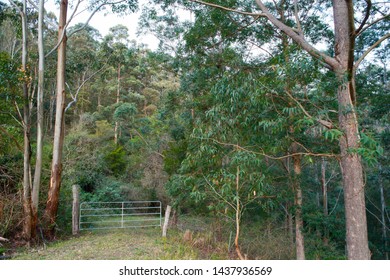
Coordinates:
127 214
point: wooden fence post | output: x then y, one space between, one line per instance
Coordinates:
76 210
166 221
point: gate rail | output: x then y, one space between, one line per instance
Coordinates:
126 214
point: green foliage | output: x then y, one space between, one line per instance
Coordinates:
333 134
174 155
103 129
125 112
116 160
108 190
10 77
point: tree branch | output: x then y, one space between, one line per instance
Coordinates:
85 24
261 48
327 124
379 220
37 8
297 38
21 122
92 14
15 6
367 15
240 28
74 97
218 194
12 137
376 44
143 139
371 24
238 147
228 9
300 32
64 30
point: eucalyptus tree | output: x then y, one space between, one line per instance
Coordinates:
10 32
83 67
116 44
52 202
214 47
56 169
343 63
28 227
9 93
40 114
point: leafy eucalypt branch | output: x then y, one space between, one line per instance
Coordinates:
295 35
229 9
262 153
327 124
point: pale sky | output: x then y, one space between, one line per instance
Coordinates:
104 22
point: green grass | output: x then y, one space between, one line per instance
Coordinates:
120 244
209 241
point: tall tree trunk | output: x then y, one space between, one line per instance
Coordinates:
99 103
238 216
40 119
59 129
28 232
383 213
324 189
352 171
296 186
343 65
51 110
351 165
299 238
289 224
118 95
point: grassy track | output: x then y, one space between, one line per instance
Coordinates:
135 244
147 244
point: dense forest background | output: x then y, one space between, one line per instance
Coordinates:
228 119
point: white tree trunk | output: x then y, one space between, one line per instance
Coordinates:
28 232
40 119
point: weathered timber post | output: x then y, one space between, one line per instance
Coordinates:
76 210
166 220
123 205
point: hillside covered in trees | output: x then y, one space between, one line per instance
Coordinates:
268 119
